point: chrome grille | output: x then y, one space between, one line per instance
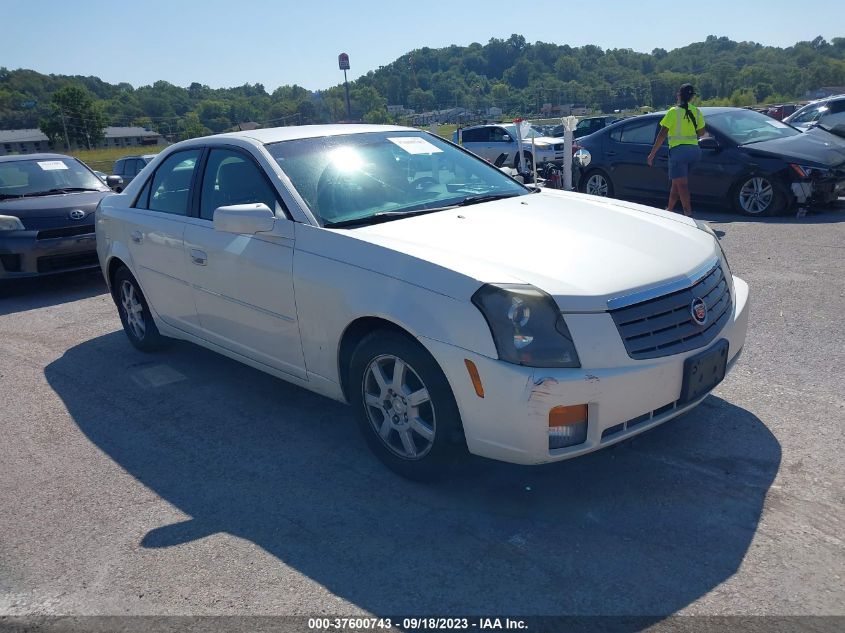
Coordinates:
664 326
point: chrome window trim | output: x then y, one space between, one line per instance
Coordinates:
668 288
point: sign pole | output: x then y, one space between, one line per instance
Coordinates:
348 107
343 64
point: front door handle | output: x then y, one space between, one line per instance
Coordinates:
199 257
136 237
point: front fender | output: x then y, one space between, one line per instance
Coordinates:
331 294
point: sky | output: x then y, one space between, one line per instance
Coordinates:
226 43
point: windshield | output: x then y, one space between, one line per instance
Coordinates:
378 174
746 126
40 176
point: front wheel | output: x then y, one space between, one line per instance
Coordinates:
597 183
405 407
758 196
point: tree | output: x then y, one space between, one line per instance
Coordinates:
75 118
192 127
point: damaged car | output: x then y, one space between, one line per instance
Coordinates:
751 163
455 309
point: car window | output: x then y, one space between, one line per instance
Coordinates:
118 167
639 132
499 135
232 178
171 185
478 135
809 115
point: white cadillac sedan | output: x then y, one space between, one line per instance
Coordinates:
454 308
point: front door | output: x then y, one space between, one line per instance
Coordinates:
243 284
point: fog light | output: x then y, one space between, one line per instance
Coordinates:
567 426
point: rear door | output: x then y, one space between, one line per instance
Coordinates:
154 227
243 284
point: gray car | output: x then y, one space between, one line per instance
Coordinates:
827 113
128 167
47 204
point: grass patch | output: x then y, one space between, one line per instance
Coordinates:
103 159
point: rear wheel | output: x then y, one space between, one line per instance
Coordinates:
135 312
597 183
405 407
758 196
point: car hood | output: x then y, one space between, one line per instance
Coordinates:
50 211
580 249
813 146
543 140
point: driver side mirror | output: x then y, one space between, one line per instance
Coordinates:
244 218
708 142
506 138
114 181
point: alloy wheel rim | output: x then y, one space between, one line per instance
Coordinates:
756 195
597 185
399 407
133 308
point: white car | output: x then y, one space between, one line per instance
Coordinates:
497 144
454 308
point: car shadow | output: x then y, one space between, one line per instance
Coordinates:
20 295
644 528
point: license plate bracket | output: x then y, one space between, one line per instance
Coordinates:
704 371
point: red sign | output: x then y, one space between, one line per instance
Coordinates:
343 61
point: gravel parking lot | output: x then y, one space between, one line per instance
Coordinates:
186 483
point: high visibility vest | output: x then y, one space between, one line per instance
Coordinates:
681 129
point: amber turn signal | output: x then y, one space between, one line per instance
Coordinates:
565 416
476 379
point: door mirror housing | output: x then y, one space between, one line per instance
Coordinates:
114 181
506 138
708 142
244 218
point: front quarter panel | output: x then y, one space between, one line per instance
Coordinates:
340 279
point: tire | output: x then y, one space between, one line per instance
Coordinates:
411 421
529 161
135 312
758 196
596 183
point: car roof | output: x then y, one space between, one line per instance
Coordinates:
46 156
276 134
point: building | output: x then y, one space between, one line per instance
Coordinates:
131 137
23 142
32 141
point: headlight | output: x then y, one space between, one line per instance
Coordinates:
10 223
808 171
527 327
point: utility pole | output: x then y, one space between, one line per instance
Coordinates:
64 126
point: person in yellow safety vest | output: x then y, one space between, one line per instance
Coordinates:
683 124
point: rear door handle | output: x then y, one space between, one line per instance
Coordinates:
199 257
136 237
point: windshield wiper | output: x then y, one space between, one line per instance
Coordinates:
485 197
52 192
376 218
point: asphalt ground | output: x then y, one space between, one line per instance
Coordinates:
186 483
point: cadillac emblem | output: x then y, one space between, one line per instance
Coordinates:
698 310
